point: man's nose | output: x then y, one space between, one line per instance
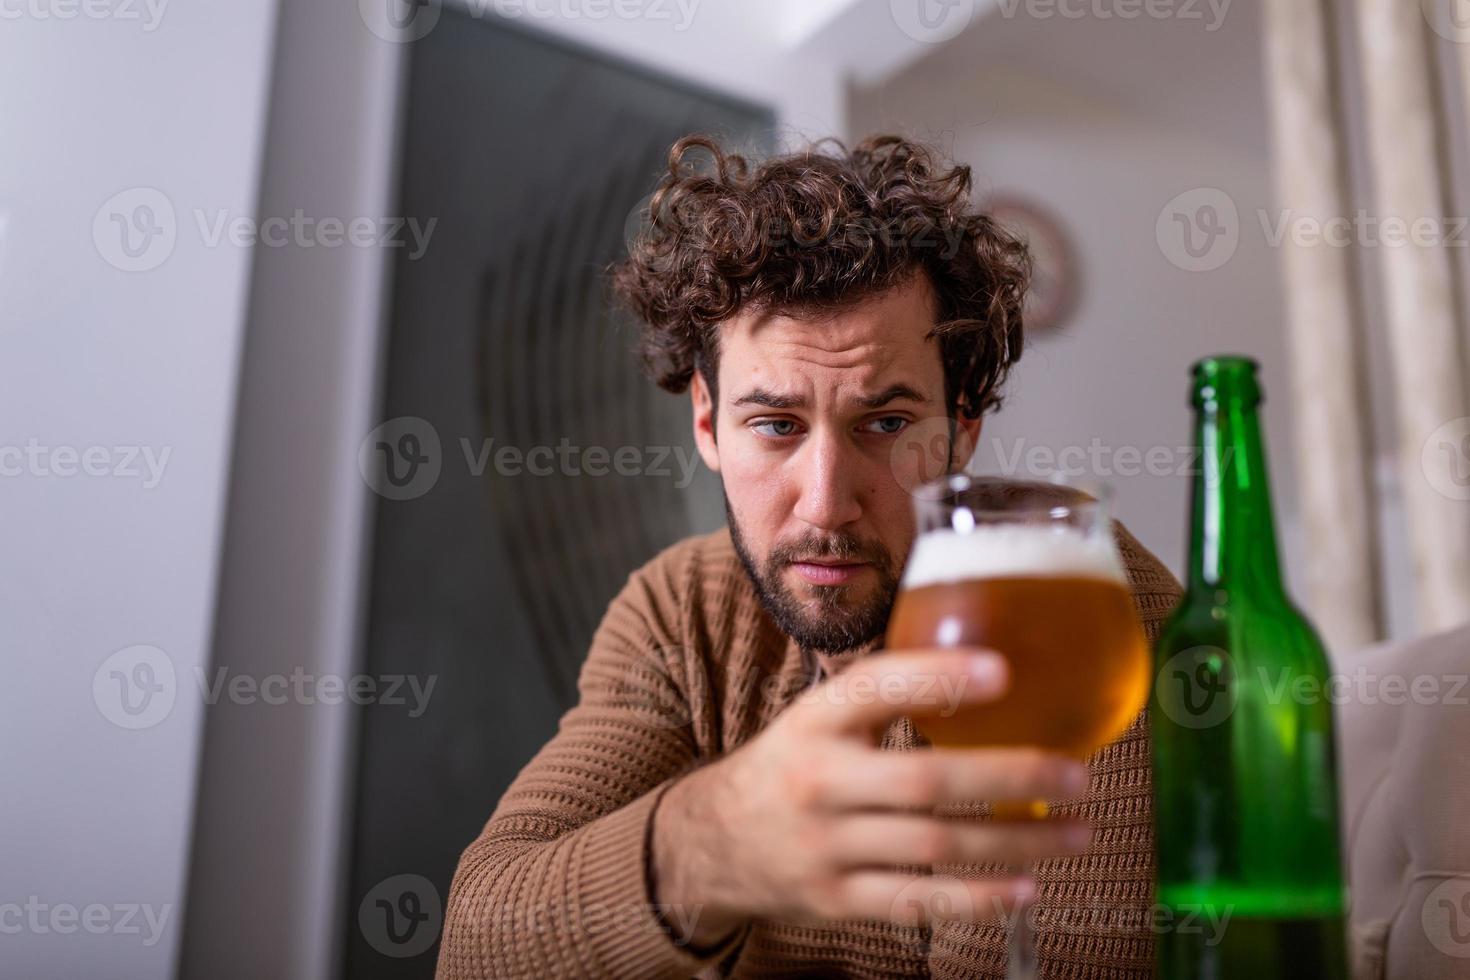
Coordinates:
829 481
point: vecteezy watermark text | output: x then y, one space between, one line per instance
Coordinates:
148 12
403 458
1199 687
406 21
1200 229
936 21
303 687
944 240
137 229
1209 12
40 918
922 903
137 687
305 231
35 459
566 459
1362 229
1100 459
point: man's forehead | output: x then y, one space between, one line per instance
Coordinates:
871 339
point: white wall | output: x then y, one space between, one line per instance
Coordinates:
95 814
273 829
1102 122
761 50
1105 119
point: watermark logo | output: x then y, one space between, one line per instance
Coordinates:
927 450
1195 687
638 222
1446 459
932 21
1446 917
399 21
926 901
401 916
1198 230
1450 19
135 687
135 230
402 458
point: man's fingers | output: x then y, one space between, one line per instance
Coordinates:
878 689
911 900
922 780
884 841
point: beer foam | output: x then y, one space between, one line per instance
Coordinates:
1010 551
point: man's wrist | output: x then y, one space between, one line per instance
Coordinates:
679 851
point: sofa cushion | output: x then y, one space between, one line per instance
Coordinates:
1403 716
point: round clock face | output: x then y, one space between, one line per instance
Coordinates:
1053 293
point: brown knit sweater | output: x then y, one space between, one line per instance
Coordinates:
684 667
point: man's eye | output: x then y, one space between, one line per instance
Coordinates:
775 427
888 425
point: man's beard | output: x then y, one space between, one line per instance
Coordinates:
837 623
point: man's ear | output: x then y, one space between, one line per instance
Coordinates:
966 440
704 422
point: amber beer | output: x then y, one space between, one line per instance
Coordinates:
1053 600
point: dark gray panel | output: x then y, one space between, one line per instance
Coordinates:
531 155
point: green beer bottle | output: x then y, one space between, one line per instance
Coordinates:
1250 880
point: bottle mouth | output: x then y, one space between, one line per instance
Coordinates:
1223 365
1231 376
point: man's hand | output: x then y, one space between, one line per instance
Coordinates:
810 821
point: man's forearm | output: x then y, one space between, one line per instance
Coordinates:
515 910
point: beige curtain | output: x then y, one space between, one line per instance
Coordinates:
1336 502
1421 323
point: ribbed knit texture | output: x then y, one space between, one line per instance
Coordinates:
685 667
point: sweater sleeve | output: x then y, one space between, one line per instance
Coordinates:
558 882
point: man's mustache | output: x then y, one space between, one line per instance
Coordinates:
831 547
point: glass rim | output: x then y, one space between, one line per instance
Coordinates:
1046 497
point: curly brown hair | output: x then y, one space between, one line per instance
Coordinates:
813 232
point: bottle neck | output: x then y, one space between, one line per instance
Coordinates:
1233 537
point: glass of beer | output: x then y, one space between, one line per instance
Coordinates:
1031 571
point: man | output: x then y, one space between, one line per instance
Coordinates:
704 809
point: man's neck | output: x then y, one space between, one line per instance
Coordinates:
832 663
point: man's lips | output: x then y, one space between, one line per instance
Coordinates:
828 572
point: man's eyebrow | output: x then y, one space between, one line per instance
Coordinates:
892 393
771 399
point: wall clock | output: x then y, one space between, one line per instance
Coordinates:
1054 279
